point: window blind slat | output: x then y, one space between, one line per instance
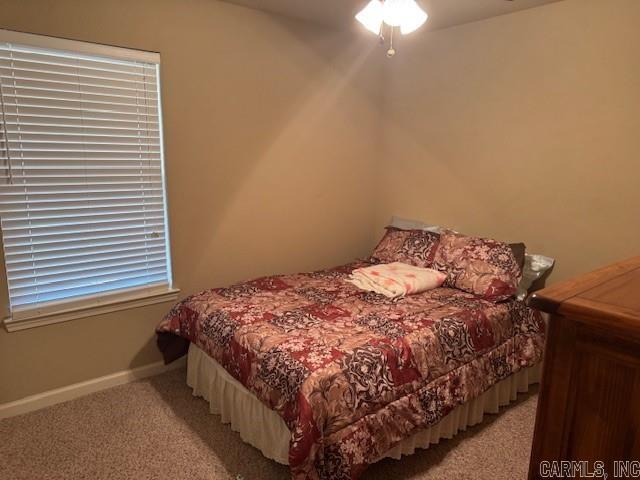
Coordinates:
79 134
43 109
113 254
34 71
39 191
34 246
62 55
15 59
87 156
151 274
35 128
44 49
29 88
145 247
141 166
136 104
89 146
80 255
82 202
60 219
88 222
143 169
39 178
66 284
64 231
88 202
78 197
81 291
86 121
122 235
15 79
142 107
81 212
26 271
77 67
62 276
82 271
95 182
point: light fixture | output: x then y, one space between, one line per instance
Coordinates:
405 14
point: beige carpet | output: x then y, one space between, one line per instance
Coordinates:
155 429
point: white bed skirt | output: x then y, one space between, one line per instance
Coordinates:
264 429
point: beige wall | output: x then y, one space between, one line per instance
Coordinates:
270 129
522 127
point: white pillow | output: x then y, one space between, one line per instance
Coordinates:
535 266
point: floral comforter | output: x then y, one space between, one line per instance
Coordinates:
352 373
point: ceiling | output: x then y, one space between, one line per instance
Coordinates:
442 13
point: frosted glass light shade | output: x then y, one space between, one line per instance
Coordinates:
413 17
393 12
371 16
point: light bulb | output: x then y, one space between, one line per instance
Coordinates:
371 16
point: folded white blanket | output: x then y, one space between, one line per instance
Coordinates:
396 279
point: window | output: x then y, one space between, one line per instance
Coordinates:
82 197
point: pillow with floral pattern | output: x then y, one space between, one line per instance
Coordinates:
413 247
482 266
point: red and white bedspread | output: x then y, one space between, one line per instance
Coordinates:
352 373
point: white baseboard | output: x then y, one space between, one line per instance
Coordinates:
64 394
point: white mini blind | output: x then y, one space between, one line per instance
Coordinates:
82 199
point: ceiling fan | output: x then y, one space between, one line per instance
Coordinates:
381 15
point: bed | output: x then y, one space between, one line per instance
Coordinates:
329 379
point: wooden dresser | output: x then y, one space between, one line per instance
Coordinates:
589 403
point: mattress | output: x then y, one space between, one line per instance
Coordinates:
265 430
353 374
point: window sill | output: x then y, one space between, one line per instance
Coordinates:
113 305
